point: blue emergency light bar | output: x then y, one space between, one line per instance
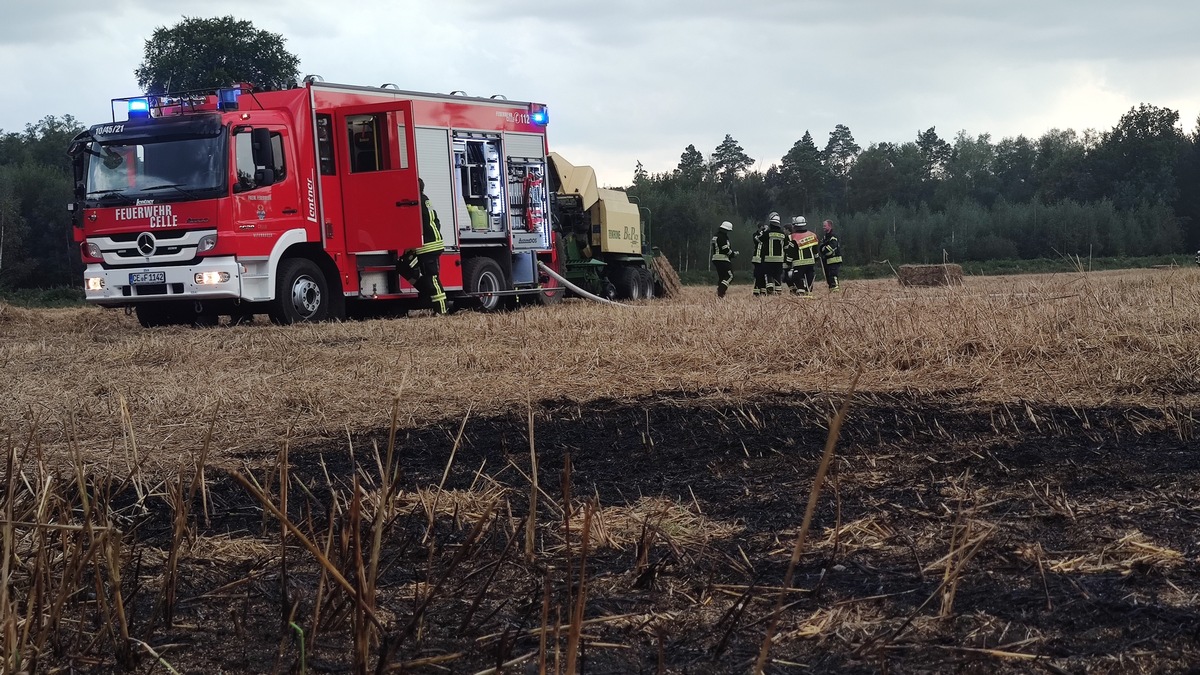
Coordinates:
227 99
539 115
139 107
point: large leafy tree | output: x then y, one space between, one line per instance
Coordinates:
1059 170
1137 159
1014 168
200 53
970 173
14 264
35 182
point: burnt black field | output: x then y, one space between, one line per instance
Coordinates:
1076 533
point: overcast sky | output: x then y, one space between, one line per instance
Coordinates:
640 80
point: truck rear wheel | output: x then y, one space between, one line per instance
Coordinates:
482 278
301 293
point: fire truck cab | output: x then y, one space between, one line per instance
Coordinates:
299 203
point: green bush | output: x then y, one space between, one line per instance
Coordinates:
59 296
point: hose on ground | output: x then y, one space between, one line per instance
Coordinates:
577 290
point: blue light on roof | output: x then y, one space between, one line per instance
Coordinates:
139 107
227 99
539 117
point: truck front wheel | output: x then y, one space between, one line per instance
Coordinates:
301 293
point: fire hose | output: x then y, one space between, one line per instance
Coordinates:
578 291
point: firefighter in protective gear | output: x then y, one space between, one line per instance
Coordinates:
722 257
421 265
774 243
760 281
831 257
802 254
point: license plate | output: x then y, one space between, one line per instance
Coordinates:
137 278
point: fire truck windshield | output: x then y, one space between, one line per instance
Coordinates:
164 169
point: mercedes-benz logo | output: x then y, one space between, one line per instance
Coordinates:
146 244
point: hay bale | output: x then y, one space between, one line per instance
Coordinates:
931 275
671 285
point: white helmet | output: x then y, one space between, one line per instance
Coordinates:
799 220
727 226
773 217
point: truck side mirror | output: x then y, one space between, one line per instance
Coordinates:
77 176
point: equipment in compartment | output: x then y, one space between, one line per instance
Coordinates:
477 172
527 201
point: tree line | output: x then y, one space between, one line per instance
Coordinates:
1128 191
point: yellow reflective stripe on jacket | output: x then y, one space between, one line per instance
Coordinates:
775 245
720 250
431 233
834 260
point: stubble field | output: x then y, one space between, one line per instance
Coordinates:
1015 486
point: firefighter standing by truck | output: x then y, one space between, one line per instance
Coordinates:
420 265
802 247
722 257
831 257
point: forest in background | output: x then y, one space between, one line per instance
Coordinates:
1129 191
1126 192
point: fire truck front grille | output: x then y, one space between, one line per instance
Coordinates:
161 247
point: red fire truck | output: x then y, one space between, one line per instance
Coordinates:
297 203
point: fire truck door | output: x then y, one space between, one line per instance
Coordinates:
380 198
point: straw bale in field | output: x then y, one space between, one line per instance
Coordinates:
671 285
931 275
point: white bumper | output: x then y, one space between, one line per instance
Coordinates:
179 282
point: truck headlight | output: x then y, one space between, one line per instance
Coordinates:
91 250
207 243
93 283
204 278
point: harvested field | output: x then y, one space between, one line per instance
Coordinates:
1014 486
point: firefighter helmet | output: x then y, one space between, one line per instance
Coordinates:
727 226
773 217
799 221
